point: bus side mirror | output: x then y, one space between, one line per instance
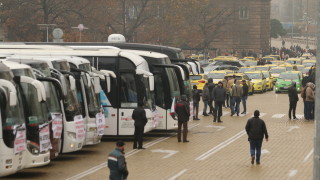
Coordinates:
151 82
12 91
96 84
72 83
108 80
35 83
63 85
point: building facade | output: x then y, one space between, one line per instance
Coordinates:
248 28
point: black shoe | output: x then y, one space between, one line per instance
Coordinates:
214 121
197 119
295 118
252 159
141 148
205 114
243 113
219 121
210 113
232 114
186 141
135 148
237 114
258 163
179 140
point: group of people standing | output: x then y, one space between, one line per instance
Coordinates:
227 93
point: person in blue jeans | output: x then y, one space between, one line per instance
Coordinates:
245 91
256 130
236 94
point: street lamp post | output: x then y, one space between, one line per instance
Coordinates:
81 28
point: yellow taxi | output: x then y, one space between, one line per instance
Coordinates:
200 80
309 62
277 57
277 62
268 58
217 75
269 79
294 61
240 77
250 58
258 80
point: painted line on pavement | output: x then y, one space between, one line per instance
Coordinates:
308 156
292 173
130 153
177 175
220 146
278 116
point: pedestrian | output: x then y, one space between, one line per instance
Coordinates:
293 99
230 83
205 99
183 112
219 96
140 120
196 100
211 85
245 91
256 130
236 94
224 84
310 98
117 163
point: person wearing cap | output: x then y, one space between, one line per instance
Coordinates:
219 95
140 121
256 130
117 163
245 92
293 99
182 108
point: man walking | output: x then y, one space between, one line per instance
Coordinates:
236 95
293 99
310 98
196 100
183 111
219 95
245 90
117 163
210 87
256 130
140 120
205 99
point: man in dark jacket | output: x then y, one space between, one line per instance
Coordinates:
293 99
219 95
205 99
140 120
256 129
245 92
211 86
183 111
117 163
196 100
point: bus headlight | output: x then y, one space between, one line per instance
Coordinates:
33 149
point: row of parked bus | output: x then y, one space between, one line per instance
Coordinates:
58 98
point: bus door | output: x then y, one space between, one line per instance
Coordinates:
167 91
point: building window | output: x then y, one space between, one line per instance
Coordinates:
243 13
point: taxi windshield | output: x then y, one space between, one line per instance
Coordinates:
277 71
246 69
262 68
216 75
289 76
196 77
254 75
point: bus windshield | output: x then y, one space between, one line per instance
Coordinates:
61 65
174 86
71 105
92 100
85 67
52 97
147 97
11 116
